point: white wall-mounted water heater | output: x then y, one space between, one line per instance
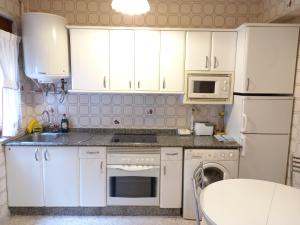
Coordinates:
45 45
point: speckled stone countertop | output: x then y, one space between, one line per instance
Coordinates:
103 137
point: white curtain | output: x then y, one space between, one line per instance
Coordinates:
9 50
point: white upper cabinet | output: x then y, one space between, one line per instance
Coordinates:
24 176
266 59
61 172
121 60
198 47
172 55
210 51
223 50
90 59
147 48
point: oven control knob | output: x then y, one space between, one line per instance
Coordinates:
230 155
225 81
225 89
223 155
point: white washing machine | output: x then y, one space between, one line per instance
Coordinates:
218 164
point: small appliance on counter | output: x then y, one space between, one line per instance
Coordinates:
184 132
203 129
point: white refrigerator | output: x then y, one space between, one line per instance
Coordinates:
261 124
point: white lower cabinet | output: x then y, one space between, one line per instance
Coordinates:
171 178
61 171
92 176
24 176
42 176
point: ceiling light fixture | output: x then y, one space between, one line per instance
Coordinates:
131 7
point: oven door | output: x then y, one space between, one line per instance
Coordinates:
133 185
208 87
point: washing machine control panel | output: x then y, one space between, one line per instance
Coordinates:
214 154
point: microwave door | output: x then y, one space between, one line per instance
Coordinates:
202 88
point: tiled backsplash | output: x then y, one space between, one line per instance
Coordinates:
118 110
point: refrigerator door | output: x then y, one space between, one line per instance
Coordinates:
266 115
264 157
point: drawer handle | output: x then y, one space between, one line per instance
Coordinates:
92 152
46 155
165 170
101 166
172 154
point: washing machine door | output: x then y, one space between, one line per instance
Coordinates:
213 172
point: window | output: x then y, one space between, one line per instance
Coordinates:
9 79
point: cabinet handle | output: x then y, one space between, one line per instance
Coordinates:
101 166
247 84
138 84
165 170
171 153
46 155
164 83
215 62
206 62
36 155
104 82
130 84
88 152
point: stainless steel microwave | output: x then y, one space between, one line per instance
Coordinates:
208 87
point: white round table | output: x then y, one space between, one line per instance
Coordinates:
250 202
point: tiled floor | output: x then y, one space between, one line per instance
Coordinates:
97 220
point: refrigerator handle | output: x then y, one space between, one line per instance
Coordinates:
244 149
245 121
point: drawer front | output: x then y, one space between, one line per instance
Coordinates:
92 152
170 154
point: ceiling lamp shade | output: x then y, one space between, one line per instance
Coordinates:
131 7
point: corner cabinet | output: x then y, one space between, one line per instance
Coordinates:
171 178
172 55
90 59
266 59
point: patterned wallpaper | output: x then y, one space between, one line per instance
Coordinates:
163 13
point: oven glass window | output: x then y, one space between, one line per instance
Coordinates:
204 87
133 187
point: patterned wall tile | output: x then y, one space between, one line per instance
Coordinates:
167 13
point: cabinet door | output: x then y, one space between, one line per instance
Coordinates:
172 61
24 176
92 182
223 51
90 59
121 60
269 60
147 47
61 172
171 184
198 47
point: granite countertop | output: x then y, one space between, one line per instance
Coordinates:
102 137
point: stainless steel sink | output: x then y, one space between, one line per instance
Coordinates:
43 137
55 138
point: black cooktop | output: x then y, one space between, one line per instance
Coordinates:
134 138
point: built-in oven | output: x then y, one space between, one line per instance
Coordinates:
133 176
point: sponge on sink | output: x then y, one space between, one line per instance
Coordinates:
33 126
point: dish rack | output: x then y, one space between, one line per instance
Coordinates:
295 167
